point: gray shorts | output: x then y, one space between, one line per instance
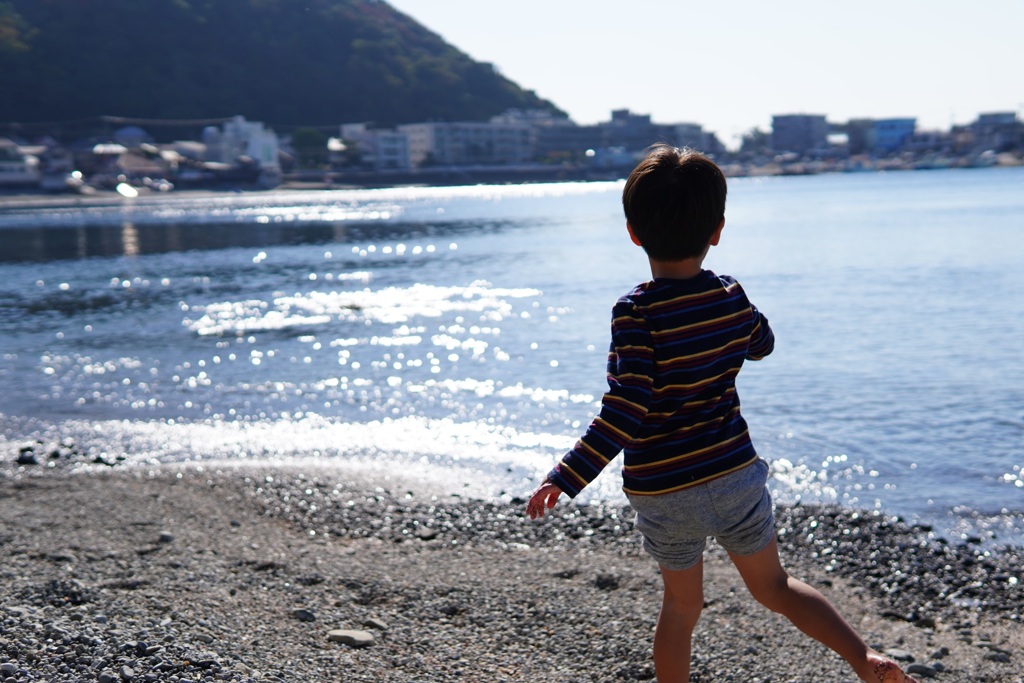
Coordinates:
736 509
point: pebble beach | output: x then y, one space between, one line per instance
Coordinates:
228 383
286 574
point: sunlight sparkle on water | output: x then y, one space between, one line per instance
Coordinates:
392 305
475 458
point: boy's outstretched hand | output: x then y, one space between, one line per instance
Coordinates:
543 498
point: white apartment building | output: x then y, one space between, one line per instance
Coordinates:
381 149
239 137
469 143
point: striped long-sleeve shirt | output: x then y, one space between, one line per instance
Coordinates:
671 405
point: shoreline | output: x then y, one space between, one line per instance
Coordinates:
12 198
241 574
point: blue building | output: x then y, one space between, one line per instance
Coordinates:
891 135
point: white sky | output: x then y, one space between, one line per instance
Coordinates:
730 64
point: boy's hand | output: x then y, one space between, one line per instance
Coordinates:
544 497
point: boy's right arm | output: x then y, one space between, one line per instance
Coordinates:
623 408
544 498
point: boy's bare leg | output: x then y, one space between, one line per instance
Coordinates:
680 609
813 614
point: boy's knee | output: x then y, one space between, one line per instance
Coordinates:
771 594
688 607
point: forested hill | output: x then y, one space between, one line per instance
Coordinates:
284 62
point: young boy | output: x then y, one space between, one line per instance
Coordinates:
690 470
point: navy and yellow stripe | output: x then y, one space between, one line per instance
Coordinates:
671 404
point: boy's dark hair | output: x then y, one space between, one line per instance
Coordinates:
674 201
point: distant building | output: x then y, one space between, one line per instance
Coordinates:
565 139
379 149
998 131
241 138
633 131
612 159
879 136
859 135
531 117
690 135
17 167
890 135
555 138
963 139
799 133
929 142
625 131
249 141
468 143
637 132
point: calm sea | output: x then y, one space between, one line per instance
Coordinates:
458 335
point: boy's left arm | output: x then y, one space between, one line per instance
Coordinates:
762 339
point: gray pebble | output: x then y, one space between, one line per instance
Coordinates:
922 670
26 457
304 614
1000 657
993 647
351 638
375 624
899 655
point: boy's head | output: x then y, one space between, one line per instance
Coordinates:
674 202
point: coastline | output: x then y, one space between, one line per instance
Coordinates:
242 573
22 198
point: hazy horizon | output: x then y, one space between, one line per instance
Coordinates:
730 66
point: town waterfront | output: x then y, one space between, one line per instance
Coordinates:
458 335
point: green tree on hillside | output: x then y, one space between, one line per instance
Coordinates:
310 147
286 63
13 30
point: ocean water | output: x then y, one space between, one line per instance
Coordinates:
457 336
